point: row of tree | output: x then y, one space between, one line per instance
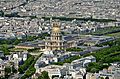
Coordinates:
83 19
105 56
68 60
26 64
31 70
74 49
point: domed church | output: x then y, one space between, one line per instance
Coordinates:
56 41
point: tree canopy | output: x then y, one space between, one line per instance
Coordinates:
44 75
106 55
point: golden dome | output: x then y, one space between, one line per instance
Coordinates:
56 27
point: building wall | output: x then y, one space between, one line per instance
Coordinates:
2 70
24 47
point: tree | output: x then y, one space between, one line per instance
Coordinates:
44 75
7 71
101 78
68 60
14 70
17 41
26 64
1 13
74 49
94 70
21 69
31 70
4 48
107 78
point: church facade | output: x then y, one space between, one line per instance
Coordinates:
56 41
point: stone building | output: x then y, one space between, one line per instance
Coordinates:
2 68
56 41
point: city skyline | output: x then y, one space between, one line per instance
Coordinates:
59 39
